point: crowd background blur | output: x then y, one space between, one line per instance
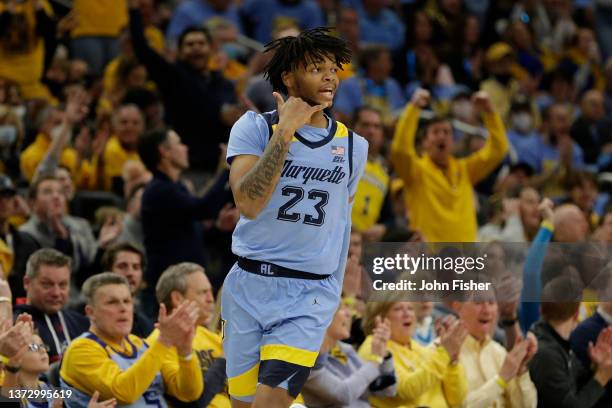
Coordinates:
487 121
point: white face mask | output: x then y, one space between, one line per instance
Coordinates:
463 110
522 122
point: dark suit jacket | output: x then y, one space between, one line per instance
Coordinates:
586 332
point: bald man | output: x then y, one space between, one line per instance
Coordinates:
570 224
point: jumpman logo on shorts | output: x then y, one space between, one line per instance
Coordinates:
316 302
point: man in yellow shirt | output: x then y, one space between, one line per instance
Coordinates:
372 202
188 281
53 120
128 124
502 86
438 187
51 149
110 360
496 378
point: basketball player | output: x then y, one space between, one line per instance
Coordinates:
294 172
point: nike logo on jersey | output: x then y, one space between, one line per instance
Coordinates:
308 173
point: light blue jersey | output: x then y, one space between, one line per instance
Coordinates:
273 325
304 225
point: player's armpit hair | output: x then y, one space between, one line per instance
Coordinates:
259 180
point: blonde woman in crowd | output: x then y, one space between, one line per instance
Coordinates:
426 376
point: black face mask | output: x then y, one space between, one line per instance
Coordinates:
504 79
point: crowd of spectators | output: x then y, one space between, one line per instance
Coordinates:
487 121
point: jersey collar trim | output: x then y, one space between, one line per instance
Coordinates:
322 142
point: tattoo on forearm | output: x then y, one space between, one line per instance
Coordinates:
259 180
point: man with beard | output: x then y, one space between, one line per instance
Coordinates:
200 104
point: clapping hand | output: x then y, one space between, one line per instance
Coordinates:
178 328
380 336
452 334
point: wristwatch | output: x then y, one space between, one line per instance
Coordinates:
508 322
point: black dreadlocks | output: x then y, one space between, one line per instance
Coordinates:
310 46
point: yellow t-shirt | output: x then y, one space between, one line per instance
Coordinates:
370 195
115 157
207 346
424 376
35 153
103 18
23 60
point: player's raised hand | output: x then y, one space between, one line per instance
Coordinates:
294 112
421 98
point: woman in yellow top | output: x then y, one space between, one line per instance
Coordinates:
426 376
